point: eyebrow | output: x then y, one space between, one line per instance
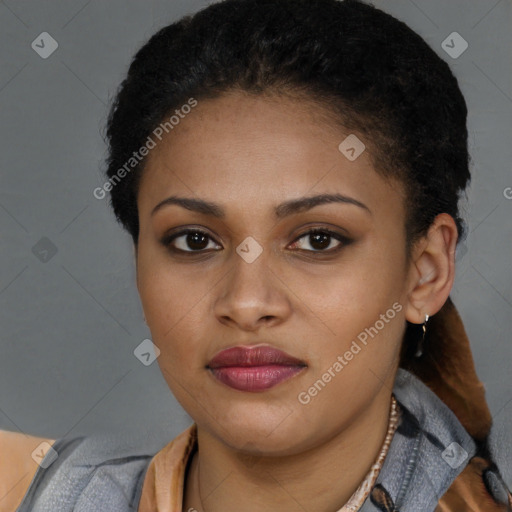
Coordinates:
283 210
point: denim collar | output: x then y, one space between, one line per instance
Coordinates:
429 450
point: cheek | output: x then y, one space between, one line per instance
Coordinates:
360 319
358 312
350 295
171 307
167 299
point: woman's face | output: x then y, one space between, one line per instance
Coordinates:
335 303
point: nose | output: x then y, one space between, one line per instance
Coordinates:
252 296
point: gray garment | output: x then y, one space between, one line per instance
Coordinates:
429 449
84 478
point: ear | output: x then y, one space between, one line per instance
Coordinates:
432 270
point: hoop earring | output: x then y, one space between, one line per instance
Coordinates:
419 350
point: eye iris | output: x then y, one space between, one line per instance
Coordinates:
197 240
319 240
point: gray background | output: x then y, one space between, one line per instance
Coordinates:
70 324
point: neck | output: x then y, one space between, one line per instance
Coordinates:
322 478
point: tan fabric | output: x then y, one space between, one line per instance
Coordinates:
17 467
164 482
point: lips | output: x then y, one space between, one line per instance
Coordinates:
254 368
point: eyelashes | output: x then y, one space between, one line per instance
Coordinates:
318 236
195 241
190 239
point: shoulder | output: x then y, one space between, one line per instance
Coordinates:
101 471
21 457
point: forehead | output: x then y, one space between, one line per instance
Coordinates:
260 150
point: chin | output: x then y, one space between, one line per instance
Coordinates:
252 428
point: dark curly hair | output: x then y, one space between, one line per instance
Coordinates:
375 76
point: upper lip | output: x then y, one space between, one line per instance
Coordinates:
260 355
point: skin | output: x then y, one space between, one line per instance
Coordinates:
248 154
17 467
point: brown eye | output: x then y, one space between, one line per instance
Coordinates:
320 240
189 240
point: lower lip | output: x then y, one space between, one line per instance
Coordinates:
255 378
